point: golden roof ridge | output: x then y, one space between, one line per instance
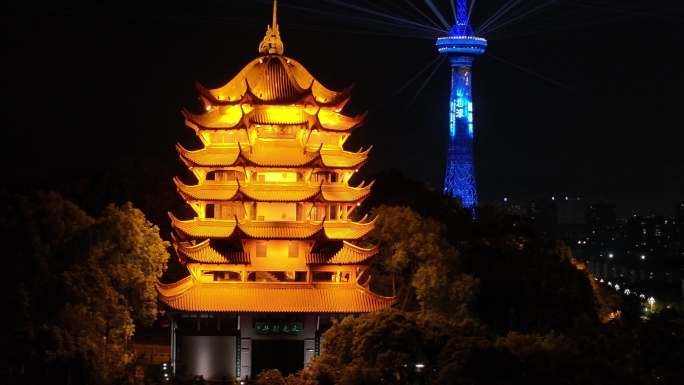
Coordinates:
242 297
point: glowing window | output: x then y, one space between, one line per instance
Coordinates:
287 177
230 210
324 276
230 276
293 250
277 276
261 249
209 211
276 211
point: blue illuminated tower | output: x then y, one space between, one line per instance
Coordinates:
461 47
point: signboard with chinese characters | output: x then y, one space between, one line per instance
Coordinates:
279 328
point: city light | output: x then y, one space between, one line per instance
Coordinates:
610 255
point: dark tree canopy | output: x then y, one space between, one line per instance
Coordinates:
488 302
77 288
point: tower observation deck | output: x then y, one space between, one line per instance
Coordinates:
461 46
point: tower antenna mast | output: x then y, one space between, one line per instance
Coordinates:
461 46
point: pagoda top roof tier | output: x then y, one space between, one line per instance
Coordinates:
240 297
271 154
241 116
273 79
263 192
202 228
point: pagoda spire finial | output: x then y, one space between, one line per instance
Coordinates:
272 45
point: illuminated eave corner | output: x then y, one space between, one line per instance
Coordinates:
209 156
345 159
203 228
335 121
345 194
203 252
217 118
347 230
175 289
207 192
349 254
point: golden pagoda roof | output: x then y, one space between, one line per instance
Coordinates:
331 120
284 115
273 79
231 116
271 154
280 193
263 192
344 159
348 230
279 154
224 228
280 230
349 254
207 191
241 297
203 252
343 193
219 117
204 228
209 156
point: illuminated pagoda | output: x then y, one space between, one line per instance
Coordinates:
273 252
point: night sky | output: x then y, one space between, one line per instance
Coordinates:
592 107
